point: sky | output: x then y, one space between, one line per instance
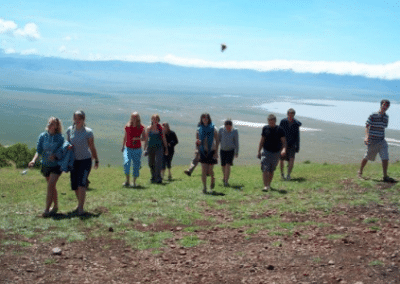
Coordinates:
338 37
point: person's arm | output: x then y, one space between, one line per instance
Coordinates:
32 163
236 137
123 143
146 141
366 139
94 152
165 143
260 146
39 151
283 141
216 143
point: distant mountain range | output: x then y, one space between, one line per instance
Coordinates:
113 77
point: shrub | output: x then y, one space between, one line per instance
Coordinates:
19 153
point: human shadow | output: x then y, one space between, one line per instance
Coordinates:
215 193
392 181
74 214
299 179
281 191
236 186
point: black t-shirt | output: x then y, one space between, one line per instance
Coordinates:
272 138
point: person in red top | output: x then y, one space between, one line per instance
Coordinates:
132 147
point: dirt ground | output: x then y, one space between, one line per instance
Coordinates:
352 249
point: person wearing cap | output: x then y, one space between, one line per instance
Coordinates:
229 143
375 140
291 126
273 144
82 141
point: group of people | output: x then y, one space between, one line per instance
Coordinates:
278 143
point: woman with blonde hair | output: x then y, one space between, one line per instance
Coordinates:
48 144
82 141
155 140
132 147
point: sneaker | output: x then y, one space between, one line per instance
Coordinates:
189 173
53 211
359 174
388 179
288 177
125 184
46 214
266 188
226 184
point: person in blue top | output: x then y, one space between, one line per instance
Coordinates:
207 141
82 141
48 144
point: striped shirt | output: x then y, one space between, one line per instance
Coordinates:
377 124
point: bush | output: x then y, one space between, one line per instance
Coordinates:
18 153
3 158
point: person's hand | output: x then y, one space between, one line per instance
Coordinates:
198 142
122 149
96 165
145 153
283 152
366 141
31 164
70 147
259 155
166 152
236 156
216 155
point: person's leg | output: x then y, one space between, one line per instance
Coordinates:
136 162
362 166
193 164
204 171
49 197
81 194
270 176
52 190
211 173
152 161
227 173
385 165
158 164
290 167
265 178
127 165
84 171
282 164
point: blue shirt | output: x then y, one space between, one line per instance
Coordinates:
48 145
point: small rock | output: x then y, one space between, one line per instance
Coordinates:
331 262
182 252
179 228
56 251
144 225
270 267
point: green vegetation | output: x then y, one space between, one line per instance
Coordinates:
18 154
149 215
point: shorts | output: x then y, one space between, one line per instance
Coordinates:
290 153
208 158
80 173
166 162
374 148
46 171
227 157
269 161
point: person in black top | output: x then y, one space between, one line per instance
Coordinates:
273 144
291 126
172 141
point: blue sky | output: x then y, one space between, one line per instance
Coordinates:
340 37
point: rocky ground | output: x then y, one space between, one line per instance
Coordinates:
356 245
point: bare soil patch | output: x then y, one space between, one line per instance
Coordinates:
350 245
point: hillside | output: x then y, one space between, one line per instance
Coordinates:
324 226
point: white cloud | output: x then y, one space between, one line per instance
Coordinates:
7 27
30 31
390 71
62 48
9 51
67 38
29 51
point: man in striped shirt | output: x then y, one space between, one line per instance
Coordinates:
375 140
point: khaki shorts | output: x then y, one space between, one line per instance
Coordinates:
269 161
374 148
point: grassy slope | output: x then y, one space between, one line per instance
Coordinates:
180 202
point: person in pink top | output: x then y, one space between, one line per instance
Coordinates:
132 147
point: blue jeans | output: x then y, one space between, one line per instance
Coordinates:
132 155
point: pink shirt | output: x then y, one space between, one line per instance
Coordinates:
133 132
